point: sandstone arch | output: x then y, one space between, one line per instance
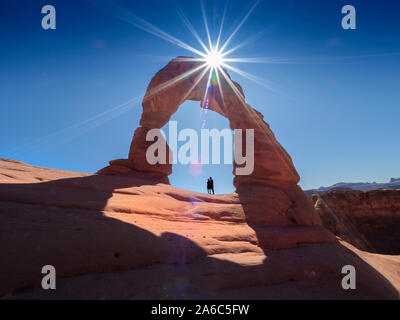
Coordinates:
270 195
271 160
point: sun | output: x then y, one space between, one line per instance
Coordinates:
214 59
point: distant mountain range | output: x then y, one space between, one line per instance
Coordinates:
363 186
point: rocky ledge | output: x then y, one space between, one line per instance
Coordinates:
115 237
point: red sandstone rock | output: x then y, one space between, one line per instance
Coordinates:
123 234
127 237
271 162
124 168
370 220
270 194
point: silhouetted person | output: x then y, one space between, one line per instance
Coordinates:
208 186
211 185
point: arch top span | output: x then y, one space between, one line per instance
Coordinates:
185 78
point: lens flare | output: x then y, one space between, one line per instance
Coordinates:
214 59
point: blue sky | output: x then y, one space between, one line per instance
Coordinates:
338 114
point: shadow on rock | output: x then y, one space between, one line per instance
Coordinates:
61 223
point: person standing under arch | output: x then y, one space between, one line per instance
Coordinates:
210 185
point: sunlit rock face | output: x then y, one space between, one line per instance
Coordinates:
115 237
270 193
125 233
182 80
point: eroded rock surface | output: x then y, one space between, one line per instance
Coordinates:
370 220
269 196
182 80
128 237
126 233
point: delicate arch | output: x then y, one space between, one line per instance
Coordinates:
184 79
270 194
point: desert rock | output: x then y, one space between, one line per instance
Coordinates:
131 238
370 220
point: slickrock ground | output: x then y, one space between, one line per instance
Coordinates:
370 220
124 237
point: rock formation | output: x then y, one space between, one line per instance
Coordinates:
186 83
126 233
274 179
362 186
113 237
370 220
